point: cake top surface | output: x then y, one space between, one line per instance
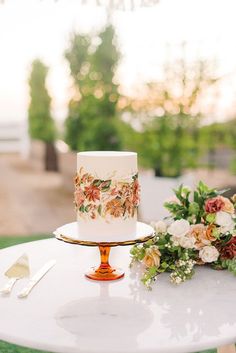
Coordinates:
107 154
107 164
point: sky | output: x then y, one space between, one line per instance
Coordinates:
34 28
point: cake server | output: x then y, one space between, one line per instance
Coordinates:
36 278
18 270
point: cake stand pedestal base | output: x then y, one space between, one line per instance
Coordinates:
69 233
104 272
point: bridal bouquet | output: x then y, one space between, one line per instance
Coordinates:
201 230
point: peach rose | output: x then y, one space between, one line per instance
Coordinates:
152 257
202 234
79 197
228 206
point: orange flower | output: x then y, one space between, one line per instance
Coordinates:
125 190
209 232
77 179
115 208
152 257
92 193
136 192
86 178
228 206
129 206
198 231
114 191
79 197
93 215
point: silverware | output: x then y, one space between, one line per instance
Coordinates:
18 270
36 278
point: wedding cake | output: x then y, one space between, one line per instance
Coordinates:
106 195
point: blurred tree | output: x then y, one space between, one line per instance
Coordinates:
217 137
92 121
174 110
212 137
41 124
230 133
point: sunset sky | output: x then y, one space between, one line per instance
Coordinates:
34 28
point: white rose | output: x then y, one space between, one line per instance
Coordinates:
160 227
187 242
179 228
175 240
228 228
223 218
208 254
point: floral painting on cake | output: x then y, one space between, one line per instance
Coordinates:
111 198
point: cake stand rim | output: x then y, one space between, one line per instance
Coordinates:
74 241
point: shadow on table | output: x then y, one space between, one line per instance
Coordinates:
208 317
105 321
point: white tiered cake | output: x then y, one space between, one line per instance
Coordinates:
106 195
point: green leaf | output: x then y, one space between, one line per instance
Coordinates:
210 217
203 188
196 196
216 233
152 271
220 192
194 208
179 193
135 176
97 182
86 209
82 208
105 185
141 254
164 265
100 209
230 265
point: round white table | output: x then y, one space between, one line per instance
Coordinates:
68 313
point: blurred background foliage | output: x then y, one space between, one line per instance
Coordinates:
166 125
41 124
92 118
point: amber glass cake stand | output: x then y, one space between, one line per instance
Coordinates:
105 272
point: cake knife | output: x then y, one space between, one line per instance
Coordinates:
18 270
36 278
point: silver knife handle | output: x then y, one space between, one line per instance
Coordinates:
27 289
8 286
